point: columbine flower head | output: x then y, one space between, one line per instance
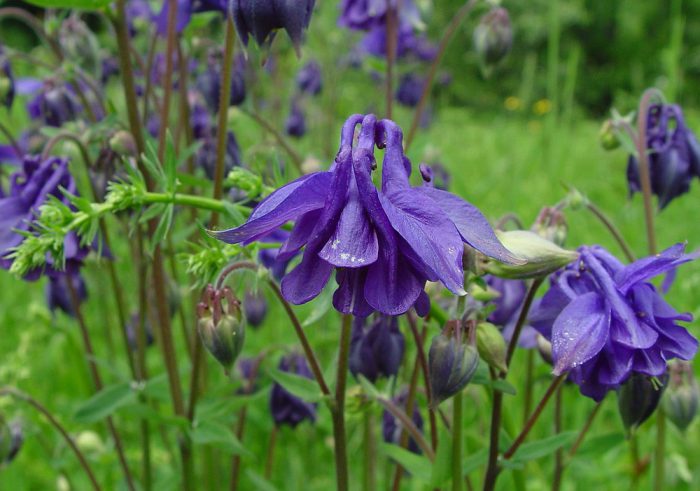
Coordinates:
376 351
410 89
309 78
511 295
383 244
262 18
209 81
295 126
606 321
287 408
30 188
392 428
54 104
206 154
674 155
7 81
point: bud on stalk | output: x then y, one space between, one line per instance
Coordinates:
638 398
681 399
222 330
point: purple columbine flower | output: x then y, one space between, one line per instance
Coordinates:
54 104
309 79
384 244
30 187
674 155
606 321
392 428
254 308
185 10
58 295
262 18
508 305
363 15
209 81
295 126
410 89
285 407
206 155
376 351
7 81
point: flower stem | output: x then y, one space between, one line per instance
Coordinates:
559 455
270 459
408 425
392 37
236 464
535 415
522 318
419 340
529 383
168 77
582 434
224 99
444 42
614 231
97 379
10 391
660 450
338 408
369 482
457 441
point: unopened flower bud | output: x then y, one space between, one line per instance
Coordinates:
255 308
452 362
376 351
122 143
543 256
491 345
544 347
638 398
551 225
222 330
608 136
493 36
681 399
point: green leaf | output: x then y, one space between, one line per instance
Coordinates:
217 435
368 387
105 402
544 447
599 444
504 386
474 461
163 227
321 306
297 385
71 4
419 465
442 466
260 483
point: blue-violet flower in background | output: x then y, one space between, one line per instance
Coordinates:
376 351
285 407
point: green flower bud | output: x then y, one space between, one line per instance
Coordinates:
491 345
221 330
543 256
638 398
681 399
451 362
122 143
608 136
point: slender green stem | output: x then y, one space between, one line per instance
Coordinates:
636 467
529 383
419 340
270 459
522 318
444 43
97 379
559 455
614 231
660 450
408 425
338 408
392 37
224 100
11 391
535 415
170 51
584 431
236 465
457 441
493 469
369 481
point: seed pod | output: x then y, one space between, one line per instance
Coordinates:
681 399
638 398
222 330
452 363
491 345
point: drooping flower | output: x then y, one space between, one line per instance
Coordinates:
206 154
363 15
674 155
452 362
435 175
376 351
254 308
262 18
58 295
54 104
209 81
295 125
493 36
287 409
606 321
392 427
384 244
185 10
30 187
309 78
511 295
410 90
7 81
